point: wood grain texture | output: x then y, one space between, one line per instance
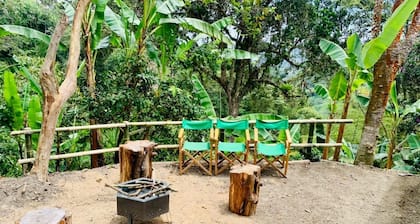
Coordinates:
244 189
136 159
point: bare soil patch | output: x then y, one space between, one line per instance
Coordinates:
323 192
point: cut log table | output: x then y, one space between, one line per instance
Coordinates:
46 216
244 189
136 159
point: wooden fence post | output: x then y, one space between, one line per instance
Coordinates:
28 149
57 162
307 151
126 131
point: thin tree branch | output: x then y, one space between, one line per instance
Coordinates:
47 70
69 84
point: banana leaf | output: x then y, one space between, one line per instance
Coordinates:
204 98
12 99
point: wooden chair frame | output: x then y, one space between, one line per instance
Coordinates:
189 158
270 161
229 157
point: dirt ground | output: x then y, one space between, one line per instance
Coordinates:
323 192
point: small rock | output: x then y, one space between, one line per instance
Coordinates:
307 210
99 180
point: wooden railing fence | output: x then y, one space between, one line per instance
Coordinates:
27 132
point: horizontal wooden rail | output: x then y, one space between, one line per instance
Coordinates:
27 132
155 123
304 145
171 146
74 128
88 153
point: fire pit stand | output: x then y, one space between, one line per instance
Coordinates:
142 199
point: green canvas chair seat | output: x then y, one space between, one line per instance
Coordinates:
231 147
197 146
271 149
234 146
274 154
193 152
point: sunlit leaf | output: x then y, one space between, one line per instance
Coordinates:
321 91
12 99
200 26
338 86
334 51
204 98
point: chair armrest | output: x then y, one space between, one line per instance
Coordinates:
247 135
288 136
255 135
180 134
216 135
181 138
288 139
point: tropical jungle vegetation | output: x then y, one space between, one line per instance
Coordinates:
69 63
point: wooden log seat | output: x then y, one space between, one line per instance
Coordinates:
46 216
136 159
244 189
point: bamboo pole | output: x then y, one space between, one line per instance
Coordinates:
27 150
155 123
28 134
92 152
74 128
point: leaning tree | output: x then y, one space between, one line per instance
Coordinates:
385 71
56 95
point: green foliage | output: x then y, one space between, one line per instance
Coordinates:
29 14
9 154
338 86
204 98
407 159
373 50
334 51
12 99
24 31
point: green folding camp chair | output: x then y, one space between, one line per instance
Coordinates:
231 146
195 148
272 151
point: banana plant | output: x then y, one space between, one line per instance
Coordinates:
132 33
26 111
335 93
357 58
397 113
12 99
204 98
6 29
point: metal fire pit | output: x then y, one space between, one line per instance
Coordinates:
142 199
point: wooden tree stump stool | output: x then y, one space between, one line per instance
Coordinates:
46 216
136 159
244 189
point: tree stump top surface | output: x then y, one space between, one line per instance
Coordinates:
248 168
138 145
43 216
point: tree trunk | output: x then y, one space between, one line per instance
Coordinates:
325 151
384 74
391 148
343 116
233 105
374 114
96 160
54 96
